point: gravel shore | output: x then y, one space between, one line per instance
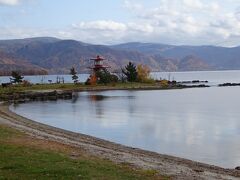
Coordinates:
178 168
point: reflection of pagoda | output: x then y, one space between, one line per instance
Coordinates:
98 64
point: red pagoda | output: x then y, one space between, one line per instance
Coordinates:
98 64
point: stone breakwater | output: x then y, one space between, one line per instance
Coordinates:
36 96
229 84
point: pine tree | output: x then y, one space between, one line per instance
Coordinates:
130 71
73 72
16 77
103 76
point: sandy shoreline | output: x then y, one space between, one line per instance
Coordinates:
178 168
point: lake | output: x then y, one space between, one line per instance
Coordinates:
202 124
214 77
45 78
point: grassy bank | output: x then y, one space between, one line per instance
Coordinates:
70 86
22 157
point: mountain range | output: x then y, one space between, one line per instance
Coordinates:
55 56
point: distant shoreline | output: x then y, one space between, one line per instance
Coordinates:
166 165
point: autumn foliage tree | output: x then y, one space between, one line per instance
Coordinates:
143 73
93 79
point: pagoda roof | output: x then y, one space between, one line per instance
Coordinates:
98 58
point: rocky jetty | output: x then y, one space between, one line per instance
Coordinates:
36 96
192 82
192 86
229 84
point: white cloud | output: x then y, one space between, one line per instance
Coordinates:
101 25
193 4
140 27
133 6
237 12
9 2
106 32
189 21
175 22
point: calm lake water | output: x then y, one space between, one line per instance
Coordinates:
201 124
46 78
214 77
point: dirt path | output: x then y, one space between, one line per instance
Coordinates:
176 167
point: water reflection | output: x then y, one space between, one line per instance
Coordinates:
97 97
75 97
199 124
100 108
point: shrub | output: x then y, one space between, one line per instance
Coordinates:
26 83
164 83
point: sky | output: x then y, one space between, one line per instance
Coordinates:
178 22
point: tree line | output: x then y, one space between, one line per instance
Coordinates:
130 73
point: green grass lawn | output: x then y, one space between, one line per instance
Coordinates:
71 86
22 157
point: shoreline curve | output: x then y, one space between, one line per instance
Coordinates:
176 167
